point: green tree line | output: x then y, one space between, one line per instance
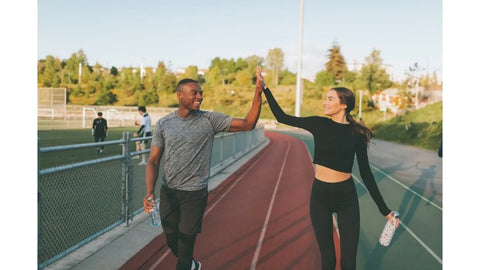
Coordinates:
153 86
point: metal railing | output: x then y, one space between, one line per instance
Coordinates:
80 201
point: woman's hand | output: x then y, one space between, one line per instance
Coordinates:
391 217
149 205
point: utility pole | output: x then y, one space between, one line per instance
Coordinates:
80 73
298 98
360 105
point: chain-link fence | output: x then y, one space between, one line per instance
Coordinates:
79 202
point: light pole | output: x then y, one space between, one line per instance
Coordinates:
298 97
360 105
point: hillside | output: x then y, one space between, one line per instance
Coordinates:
422 128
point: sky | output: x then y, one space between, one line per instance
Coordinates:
182 33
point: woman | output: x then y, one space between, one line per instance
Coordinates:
337 140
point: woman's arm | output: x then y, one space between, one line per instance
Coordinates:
369 180
282 117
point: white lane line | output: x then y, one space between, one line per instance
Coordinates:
267 218
422 243
155 265
409 189
429 250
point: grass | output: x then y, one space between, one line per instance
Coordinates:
421 128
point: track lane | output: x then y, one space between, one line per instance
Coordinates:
237 213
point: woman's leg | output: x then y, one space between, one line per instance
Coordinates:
348 218
321 217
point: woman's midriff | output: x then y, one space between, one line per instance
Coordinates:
325 174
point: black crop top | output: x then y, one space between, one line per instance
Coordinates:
335 146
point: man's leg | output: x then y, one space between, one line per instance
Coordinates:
192 208
170 217
102 139
186 244
137 148
97 139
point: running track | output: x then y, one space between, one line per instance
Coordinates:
258 218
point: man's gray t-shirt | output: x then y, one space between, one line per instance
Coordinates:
187 147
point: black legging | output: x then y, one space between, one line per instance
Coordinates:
340 198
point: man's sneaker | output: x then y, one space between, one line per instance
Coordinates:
136 157
143 162
196 265
101 151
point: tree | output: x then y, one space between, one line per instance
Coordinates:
164 81
214 76
105 97
72 65
336 63
114 71
226 67
275 63
412 77
323 78
49 71
287 77
372 75
191 72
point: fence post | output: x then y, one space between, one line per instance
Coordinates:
39 202
126 178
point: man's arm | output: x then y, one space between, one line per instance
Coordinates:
250 121
151 175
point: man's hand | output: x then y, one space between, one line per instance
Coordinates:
149 205
260 80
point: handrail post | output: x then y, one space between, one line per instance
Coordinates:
126 178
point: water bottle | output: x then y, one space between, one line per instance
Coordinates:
154 215
389 230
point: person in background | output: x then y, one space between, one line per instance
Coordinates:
185 137
145 130
440 149
338 139
99 130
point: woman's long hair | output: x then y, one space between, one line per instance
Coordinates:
347 97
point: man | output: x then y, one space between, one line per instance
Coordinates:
99 131
145 130
185 137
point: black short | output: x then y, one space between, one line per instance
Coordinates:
182 211
146 134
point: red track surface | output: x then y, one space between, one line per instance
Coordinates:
258 218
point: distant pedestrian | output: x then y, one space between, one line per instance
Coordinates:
440 149
185 138
99 131
145 130
338 139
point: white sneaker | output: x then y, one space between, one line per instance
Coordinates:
136 157
143 162
196 265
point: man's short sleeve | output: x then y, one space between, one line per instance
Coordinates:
158 139
220 122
